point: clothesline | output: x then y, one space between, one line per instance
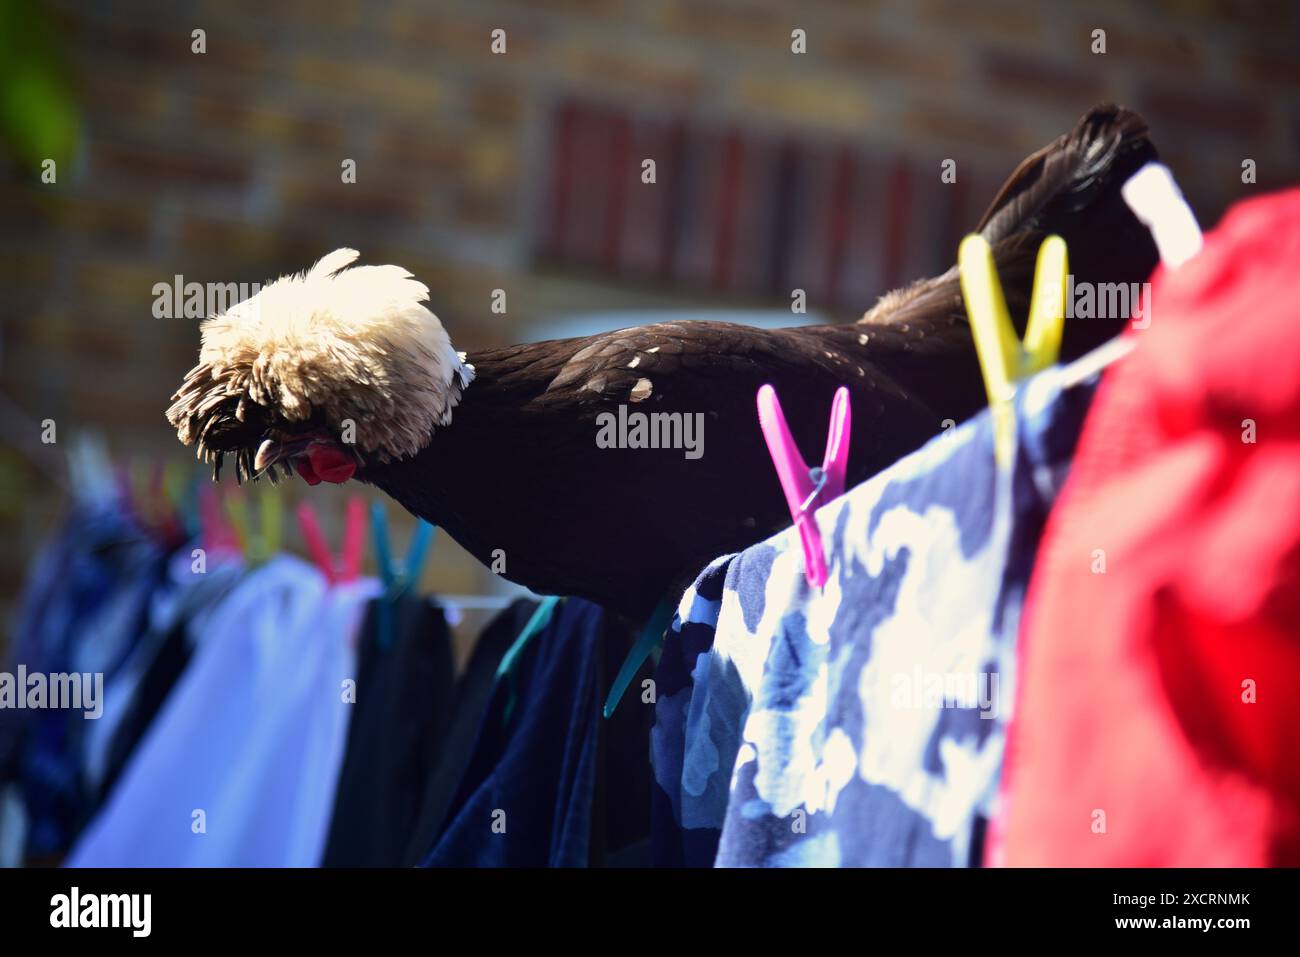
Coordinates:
481 602
866 723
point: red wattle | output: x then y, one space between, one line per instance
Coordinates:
331 464
305 469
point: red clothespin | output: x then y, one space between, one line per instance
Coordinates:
349 565
807 490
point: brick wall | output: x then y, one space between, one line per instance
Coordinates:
225 166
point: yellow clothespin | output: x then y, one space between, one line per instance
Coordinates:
272 511
1004 360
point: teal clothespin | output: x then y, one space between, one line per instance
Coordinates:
541 617
190 507
396 581
646 643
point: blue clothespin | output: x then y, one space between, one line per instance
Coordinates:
396 581
541 617
189 507
646 643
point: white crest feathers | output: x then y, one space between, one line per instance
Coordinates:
351 342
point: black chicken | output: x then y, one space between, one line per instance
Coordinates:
341 372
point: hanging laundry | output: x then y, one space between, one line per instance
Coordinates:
43 624
1157 717
863 724
84 606
241 765
700 703
403 709
473 691
178 610
13 826
527 796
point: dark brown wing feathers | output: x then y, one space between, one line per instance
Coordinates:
519 470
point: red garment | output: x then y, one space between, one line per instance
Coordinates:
1133 681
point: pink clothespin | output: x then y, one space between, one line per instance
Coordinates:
349 566
214 531
807 490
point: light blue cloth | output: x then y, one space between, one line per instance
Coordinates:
184 596
240 767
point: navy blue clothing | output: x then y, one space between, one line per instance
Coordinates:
472 694
403 707
526 799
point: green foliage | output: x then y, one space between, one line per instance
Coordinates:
38 113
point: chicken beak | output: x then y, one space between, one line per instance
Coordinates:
271 451
267 454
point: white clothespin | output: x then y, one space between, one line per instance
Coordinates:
1157 201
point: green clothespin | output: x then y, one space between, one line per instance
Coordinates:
261 545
